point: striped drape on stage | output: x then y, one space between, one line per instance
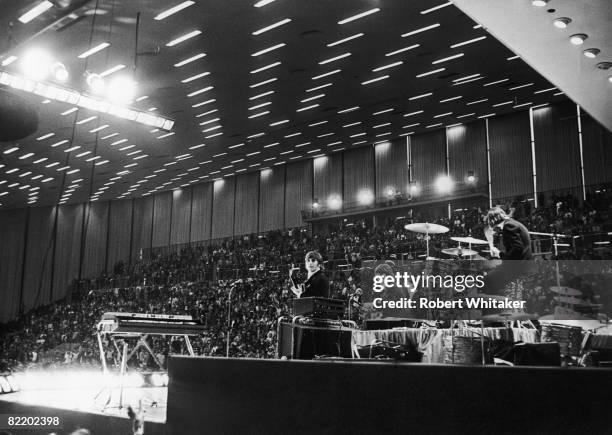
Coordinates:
143 225
327 174
39 257
201 212
467 151
119 233
12 239
557 147
67 248
511 163
358 173
272 193
223 208
298 192
428 156
247 192
96 232
162 210
391 166
597 151
181 216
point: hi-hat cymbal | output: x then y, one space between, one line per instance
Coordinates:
565 291
426 227
508 317
459 251
469 240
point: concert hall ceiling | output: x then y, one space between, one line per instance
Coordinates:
248 85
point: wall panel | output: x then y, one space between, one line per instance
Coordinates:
201 212
557 149
597 151
298 192
223 208
12 238
143 225
391 161
67 248
271 207
119 233
428 157
96 233
358 173
247 191
39 257
162 216
510 148
181 216
327 175
467 151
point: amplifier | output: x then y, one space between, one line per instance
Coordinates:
323 308
302 342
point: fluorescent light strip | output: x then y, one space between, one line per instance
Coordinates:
486 116
441 115
260 105
195 77
216 127
67 112
325 135
383 125
83 121
271 145
10 150
97 129
468 81
352 124
545 90
203 103
341 41
112 70
520 87
253 153
302 144
307 107
93 50
256 115
305 100
110 135
9 60
197 146
45 136
262 3
350 109
523 105
459 44
460 79
236 146
513 57
495 82
504 103
263 68
401 50
411 125
466 115
40 160
253 136
367 82
83 154
164 135
274 124
173 10
422 29
433 125
358 134
333 143
446 59
451 99
199 91
199 115
413 113
326 74
209 121
435 8
476 101
260 95
269 49
183 38
293 135
358 16
319 87
190 59
428 73
391 65
265 82
332 59
25 156
416 97
272 26
74 148
35 11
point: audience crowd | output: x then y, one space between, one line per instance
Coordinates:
197 280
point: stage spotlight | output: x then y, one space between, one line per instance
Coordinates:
334 202
5 387
135 380
413 188
95 82
121 89
36 64
444 184
59 72
389 192
471 178
315 203
365 197
157 380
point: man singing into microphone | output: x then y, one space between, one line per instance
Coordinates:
316 284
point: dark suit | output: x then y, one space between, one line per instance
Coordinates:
317 285
516 240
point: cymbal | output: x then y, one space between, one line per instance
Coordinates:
508 317
469 240
457 251
426 227
568 300
566 291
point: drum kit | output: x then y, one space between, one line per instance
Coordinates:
433 229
